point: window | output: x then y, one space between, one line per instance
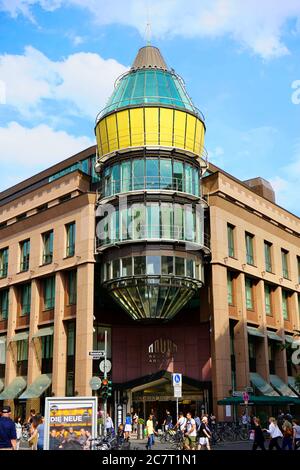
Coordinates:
49 293
126 266
284 259
70 376
285 311
268 300
70 231
167 265
138 221
230 288
230 238
268 259
3 262
188 178
115 178
126 180
190 268
72 287
152 176
252 354
116 268
138 173
47 354
179 266
25 300
139 265
153 265
25 255
271 351
22 357
167 226
298 264
190 223
249 293
4 304
47 247
153 220
249 248
166 173
178 179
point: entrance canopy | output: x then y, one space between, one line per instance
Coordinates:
281 387
262 385
14 389
38 387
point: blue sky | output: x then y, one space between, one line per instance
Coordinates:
59 60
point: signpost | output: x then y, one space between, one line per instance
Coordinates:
177 385
105 377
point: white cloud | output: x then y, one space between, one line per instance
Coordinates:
25 151
257 25
84 81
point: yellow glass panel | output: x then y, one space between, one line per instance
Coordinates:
103 133
179 129
151 131
166 127
123 129
190 132
137 126
199 137
98 138
112 132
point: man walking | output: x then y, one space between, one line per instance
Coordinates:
8 436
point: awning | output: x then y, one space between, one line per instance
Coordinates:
292 385
14 389
20 336
254 332
281 387
44 332
1 385
274 336
38 387
265 400
262 385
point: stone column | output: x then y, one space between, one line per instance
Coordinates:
11 347
34 346
59 341
84 328
241 335
262 355
220 340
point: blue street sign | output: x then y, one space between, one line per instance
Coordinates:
177 379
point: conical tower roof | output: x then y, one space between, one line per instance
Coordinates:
149 57
148 82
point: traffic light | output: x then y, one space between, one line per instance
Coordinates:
104 389
109 388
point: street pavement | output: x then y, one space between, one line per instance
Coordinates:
236 445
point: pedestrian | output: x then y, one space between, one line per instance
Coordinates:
120 435
296 434
168 422
31 416
280 419
287 440
40 430
150 433
275 434
259 439
128 426
245 419
18 425
8 435
198 422
109 425
135 419
154 419
181 423
204 435
190 433
212 421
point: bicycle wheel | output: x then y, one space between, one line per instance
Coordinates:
228 435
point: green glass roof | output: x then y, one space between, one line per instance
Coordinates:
147 86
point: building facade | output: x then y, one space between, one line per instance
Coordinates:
187 268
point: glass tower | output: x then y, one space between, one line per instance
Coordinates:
150 215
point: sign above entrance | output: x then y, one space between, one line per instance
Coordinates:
97 354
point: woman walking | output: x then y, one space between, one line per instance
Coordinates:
128 426
150 433
18 425
275 434
259 439
296 434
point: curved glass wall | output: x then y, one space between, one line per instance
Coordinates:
152 287
151 173
152 265
152 221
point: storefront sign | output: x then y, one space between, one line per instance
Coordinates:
160 349
68 419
